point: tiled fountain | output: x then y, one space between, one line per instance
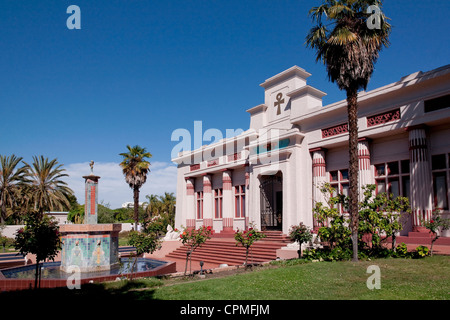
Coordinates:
90 246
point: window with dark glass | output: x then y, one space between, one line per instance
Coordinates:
239 201
393 178
218 203
437 103
441 173
200 205
340 184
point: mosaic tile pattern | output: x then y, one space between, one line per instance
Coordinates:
89 251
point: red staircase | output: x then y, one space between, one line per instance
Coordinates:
422 238
222 250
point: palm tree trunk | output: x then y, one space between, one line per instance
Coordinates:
136 206
352 110
36 275
3 207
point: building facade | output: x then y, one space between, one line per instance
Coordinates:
269 175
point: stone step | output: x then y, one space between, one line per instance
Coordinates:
236 253
421 240
223 250
221 258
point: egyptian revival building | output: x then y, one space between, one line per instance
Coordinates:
269 174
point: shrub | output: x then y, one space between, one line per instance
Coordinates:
401 251
300 234
247 237
193 239
380 218
435 224
422 252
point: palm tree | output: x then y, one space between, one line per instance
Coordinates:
153 205
168 202
46 190
135 168
349 47
12 180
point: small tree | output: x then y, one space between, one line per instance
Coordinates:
144 243
379 218
193 239
40 237
436 224
300 234
382 215
333 225
246 238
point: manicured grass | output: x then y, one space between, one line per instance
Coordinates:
400 280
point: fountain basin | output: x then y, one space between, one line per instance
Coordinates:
52 276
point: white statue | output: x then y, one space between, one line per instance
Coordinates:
171 234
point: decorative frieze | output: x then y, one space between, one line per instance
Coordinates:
383 118
213 162
333 131
195 167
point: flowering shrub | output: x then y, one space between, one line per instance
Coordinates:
435 224
300 234
247 237
193 239
144 242
155 225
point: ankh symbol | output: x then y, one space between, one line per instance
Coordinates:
279 102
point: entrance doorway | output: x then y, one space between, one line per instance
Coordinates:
271 195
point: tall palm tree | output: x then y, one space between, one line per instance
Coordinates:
348 44
12 180
135 169
47 191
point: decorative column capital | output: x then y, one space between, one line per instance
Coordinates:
207 183
312 150
417 127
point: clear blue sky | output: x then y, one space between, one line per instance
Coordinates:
137 70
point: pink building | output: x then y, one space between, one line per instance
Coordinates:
269 174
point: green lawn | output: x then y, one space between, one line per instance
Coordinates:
400 279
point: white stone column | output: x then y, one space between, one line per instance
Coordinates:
208 200
319 177
227 202
190 204
365 175
420 175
